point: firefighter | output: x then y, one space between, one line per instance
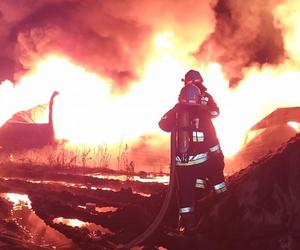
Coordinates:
199 157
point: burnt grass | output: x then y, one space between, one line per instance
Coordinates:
260 210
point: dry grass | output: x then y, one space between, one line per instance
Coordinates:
62 155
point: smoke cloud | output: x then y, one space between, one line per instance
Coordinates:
245 35
112 38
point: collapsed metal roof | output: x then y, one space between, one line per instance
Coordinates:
279 116
20 132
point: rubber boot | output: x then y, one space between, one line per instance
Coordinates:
186 223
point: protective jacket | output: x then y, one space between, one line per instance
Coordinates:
202 129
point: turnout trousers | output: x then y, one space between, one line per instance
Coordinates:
191 177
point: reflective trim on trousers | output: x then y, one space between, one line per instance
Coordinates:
220 188
193 160
200 183
198 136
184 210
214 148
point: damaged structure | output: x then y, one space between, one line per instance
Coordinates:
19 134
266 136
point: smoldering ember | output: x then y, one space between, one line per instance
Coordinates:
84 91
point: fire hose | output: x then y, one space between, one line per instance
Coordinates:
158 219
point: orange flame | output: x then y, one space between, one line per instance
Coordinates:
18 199
87 111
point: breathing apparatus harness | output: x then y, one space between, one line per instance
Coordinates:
187 126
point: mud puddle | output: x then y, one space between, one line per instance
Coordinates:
40 233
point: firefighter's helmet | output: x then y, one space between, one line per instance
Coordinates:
190 94
193 76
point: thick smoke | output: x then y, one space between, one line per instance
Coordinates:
245 35
83 31
111 38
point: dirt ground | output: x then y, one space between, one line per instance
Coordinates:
260 210
55 192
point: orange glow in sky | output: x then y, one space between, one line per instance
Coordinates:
87 111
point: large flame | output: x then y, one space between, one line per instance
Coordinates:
88 111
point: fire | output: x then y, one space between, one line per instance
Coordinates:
258 95
88 111
287 17
295 125
70 222
81 224
92 114
18 199
164 40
